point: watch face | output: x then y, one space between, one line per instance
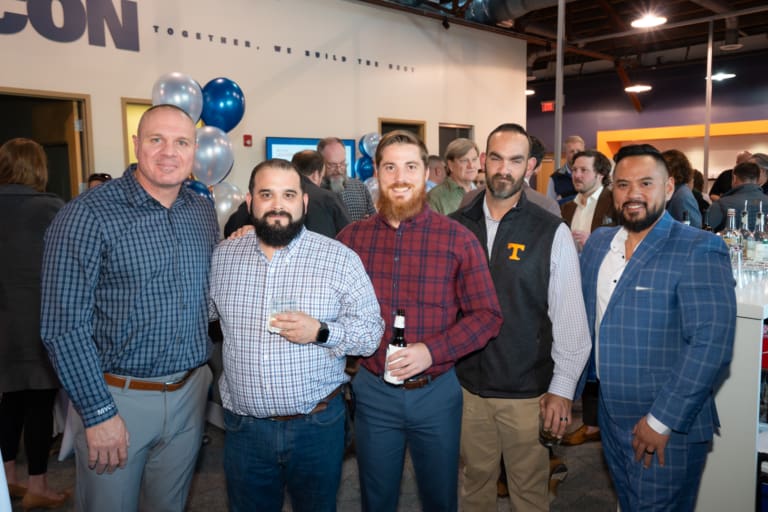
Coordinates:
323 333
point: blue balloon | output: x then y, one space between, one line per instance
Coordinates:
199 188
364 168
223 104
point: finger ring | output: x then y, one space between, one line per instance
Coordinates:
650 453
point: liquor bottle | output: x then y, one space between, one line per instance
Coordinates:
686 218
761 238
747 238
398 343
730 234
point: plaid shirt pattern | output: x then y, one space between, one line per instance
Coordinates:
436 270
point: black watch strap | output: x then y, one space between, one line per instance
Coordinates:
323 333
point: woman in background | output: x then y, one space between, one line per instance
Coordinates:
27 381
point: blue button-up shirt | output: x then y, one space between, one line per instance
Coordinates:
124 289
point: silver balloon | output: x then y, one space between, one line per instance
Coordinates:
226 198
180 90
370 143
214 156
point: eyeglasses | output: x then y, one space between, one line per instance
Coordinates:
336 167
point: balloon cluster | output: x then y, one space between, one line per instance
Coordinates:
367 146
221 105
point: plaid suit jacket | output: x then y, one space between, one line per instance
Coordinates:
668 330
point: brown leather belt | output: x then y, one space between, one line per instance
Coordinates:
321 406
412 383
146 385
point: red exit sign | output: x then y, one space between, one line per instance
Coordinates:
548 106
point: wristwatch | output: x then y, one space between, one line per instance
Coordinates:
322 333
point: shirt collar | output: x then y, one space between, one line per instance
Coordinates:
138 196
583 201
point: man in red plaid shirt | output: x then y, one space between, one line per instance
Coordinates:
434 269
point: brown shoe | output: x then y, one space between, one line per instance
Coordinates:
16 490
32 501
580 436
501 489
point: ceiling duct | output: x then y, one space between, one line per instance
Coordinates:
503 12
731 24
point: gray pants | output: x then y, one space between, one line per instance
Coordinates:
165 430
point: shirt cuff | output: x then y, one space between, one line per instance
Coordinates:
658 426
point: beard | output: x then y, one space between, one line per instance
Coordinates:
337 183
275 235
638 224
503 187
401 210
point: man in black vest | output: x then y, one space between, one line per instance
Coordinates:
531 369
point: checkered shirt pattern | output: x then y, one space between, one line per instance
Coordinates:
124 289
264 374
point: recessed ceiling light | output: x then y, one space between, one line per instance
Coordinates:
530 92
719 77
650 20
638 88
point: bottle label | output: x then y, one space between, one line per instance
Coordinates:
761 252
391 349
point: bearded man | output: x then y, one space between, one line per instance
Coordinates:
283 370
434 269
532 368
662 312
353 193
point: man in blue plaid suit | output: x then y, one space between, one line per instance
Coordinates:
662 311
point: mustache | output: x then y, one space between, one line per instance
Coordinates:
400 184
278 213
630 203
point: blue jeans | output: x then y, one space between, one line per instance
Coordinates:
427 421
262 457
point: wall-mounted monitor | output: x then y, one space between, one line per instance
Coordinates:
286 147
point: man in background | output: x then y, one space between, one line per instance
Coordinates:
724 180
354 194
437 171
124 292
560 186
435 270
463 158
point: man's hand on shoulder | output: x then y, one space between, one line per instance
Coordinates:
241 232
107 445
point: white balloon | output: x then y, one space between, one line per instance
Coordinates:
226 199
180 90
214 156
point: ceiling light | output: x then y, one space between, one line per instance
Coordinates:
650 20
719 77
638 88
530 92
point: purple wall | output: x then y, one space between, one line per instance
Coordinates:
598 102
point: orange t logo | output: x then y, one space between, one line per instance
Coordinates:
515 248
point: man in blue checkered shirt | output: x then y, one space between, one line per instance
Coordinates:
124 319
284 366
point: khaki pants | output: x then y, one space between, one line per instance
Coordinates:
490 427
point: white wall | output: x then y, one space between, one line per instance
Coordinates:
458 75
